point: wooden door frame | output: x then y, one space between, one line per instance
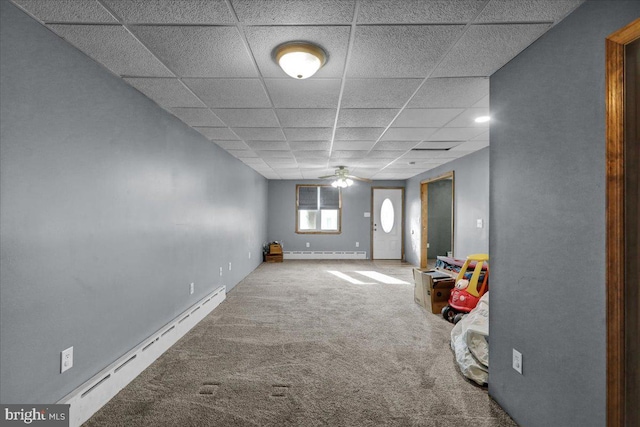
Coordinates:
372 215
424 213
615 276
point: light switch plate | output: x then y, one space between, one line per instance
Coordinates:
517 361
66 359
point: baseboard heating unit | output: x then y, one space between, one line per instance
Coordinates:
87 399
325 255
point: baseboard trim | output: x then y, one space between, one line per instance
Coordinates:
324 255
87 399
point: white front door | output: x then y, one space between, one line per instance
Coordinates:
387 223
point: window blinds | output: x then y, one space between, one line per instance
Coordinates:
308 198
314 198
329 198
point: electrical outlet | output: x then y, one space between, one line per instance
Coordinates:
249 255
66 359
479 223
427 246
192 288
357 244
229 266
517 361
308 244
221 271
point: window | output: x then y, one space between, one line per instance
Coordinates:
318 209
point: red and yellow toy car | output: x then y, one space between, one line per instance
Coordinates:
466 293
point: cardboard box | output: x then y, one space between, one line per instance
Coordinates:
432 289
275 249
273 258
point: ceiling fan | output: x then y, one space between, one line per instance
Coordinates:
342 178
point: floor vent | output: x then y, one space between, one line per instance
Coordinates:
324 255
85 400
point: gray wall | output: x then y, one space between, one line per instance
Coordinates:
440 217
547 239
356 200
471 188
110 208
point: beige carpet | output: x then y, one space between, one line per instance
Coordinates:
294 345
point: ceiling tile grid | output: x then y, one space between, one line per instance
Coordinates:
398 95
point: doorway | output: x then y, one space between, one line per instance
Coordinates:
437 236
387 225
623 239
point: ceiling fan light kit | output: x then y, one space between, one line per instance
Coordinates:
300 60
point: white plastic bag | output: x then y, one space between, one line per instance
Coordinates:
469 341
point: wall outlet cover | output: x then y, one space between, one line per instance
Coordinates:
192 288
517 361
66 359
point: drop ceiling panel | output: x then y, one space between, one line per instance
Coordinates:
234 145
426 117
289 12
334 40
400 51
378 93
482 137
247 117
223 134
353 145
527 10
309 145
309 93
230 93
435 145
89 11
394 145
450 93
361 117
279 146
475 54
242 154
165 92
418 11
260 134
114 47
254 161
347 154
467 119
267 153
358 134
407 134
194 51
456 134
306 117
483 103
471 146
385 154
319 155
172 11
293 174
197 117
308 134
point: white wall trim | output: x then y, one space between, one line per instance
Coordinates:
87 399
324 255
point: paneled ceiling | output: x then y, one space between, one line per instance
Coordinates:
403 83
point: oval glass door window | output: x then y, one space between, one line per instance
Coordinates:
387 215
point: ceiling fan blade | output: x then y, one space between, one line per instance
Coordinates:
359 179
326 177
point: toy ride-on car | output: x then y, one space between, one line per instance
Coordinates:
466 293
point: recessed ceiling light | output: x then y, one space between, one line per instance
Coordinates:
300 60
482 119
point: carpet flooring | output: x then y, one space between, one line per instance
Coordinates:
295 345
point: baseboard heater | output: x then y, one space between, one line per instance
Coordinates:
87 399
325 255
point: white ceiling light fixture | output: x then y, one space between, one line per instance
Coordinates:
482 119
342 183
300 60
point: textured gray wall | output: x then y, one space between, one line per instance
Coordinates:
110 208
440 216
356 200
471 188
548 222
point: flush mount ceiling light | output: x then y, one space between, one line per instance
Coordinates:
482 119
300 60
